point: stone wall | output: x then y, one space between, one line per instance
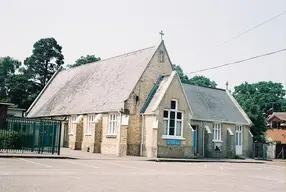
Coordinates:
185 149
123 141
79 135
92 142
150 135
98 137
138 97
247 145
109 144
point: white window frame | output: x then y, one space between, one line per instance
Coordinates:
73 124
112 124
167 135
217 132
90 123
238 134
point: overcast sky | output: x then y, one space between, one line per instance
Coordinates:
193 29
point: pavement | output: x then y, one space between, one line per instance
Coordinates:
127 174
67 153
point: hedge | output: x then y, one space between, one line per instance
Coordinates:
10 140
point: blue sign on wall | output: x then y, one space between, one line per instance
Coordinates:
173 142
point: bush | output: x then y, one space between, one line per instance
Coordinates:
10 140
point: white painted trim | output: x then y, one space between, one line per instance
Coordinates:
250 133
208 129
97 117
217 141
78 119
191 127
177 101
185 95
116 126
212 120
217 126
159 100
230 131
172 137
155 122
88 130
180 120
124 119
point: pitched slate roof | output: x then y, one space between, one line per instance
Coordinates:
279 115
159 93
214 105
92 88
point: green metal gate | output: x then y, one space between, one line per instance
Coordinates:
30 135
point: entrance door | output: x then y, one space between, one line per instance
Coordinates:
238 140
195 139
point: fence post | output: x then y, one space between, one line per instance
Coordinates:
59 141
34 130
54 138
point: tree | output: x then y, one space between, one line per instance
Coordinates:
184 78
46 59
84 60
258 100
202 81
196 80
21 90
8 67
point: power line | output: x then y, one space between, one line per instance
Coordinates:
240 61
251 29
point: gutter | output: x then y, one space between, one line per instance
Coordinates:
43 90
226 122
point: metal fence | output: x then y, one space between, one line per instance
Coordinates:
260 150
30 135
280 152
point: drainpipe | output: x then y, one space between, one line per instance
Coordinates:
142 135
203 128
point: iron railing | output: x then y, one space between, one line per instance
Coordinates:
30 135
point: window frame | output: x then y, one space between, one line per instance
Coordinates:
217 132
90 122
166 133
73 124
112 124
277 123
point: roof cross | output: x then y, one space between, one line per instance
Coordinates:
162 34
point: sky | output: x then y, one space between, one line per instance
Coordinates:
193 30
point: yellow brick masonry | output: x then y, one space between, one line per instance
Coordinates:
142 89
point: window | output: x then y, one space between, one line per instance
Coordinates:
73 124
217 132
90 124
112 124
173 120
162 56
275 124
